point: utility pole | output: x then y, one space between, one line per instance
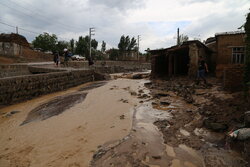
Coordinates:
91 32
178 36
138 43
16 30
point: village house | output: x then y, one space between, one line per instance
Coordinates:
178 60
228 50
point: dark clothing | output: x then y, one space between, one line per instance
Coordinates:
201 73
202 65
66 56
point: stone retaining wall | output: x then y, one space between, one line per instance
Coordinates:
39 70
16 89
13 70
233 77
112 66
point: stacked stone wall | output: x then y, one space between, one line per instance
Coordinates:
13 70
16 89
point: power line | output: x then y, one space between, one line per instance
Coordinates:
44 20
28 30
42 16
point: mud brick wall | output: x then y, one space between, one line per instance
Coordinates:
233 77
16 89
13 70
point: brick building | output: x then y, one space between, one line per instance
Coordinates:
229 49
178 60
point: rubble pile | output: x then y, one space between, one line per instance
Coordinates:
213 111
14 38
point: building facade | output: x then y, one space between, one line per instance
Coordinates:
229 50
178 60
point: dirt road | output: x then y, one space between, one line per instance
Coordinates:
68 137
118 123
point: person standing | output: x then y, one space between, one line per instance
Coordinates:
66 57
202 69
56 58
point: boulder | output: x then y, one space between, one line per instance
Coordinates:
215 126
137 76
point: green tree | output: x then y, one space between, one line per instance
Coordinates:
126 44
247 62
82 46
103 47
61 45
113 54
46 42
72 45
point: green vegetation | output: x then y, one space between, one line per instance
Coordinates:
126 44
46 42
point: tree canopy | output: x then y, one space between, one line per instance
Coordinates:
82 46
126 44
46 42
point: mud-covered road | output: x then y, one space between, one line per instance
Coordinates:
117 123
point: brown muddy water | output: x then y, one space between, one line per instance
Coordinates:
115 123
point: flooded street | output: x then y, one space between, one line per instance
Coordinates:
119 123
69 136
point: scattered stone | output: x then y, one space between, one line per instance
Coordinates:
148 84
144 96
156 157
162 94
124 100
161 124
122 117
141 101
154 103
133 93
165 103
137 76
141 91
215 126
11 113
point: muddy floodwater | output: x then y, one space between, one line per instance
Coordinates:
116 123
66 128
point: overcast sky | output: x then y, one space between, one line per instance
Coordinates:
156 21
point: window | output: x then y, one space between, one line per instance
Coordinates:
238 55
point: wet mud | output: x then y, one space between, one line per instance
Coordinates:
93 85
60 104
169 130
54 107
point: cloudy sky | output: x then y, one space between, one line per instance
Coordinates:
156 21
